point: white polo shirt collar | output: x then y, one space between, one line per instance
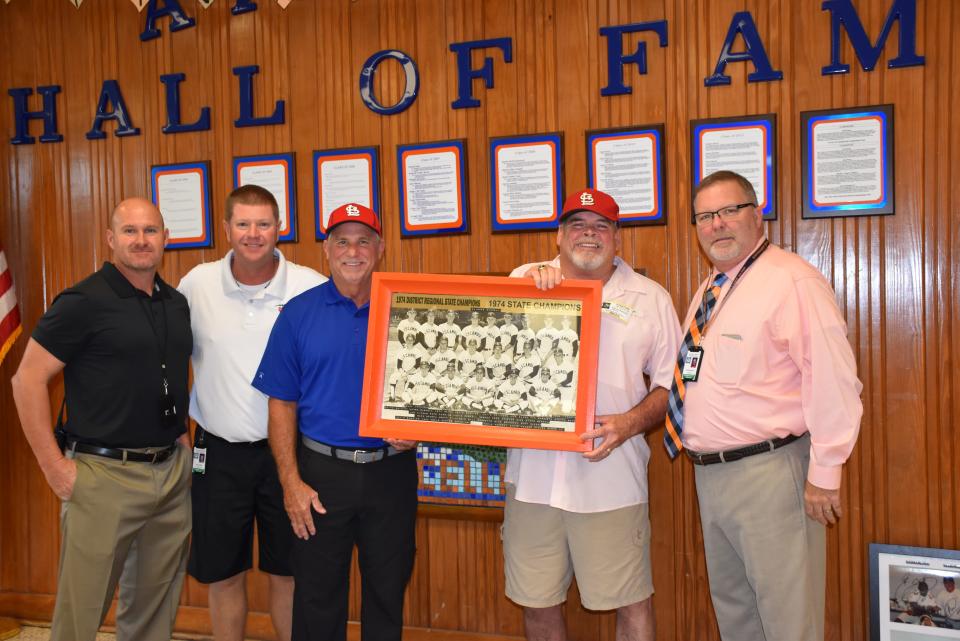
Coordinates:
276 288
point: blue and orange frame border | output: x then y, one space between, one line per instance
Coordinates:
658 216
372 154
461 225
884 205
765 122
288 161
549 221
205 239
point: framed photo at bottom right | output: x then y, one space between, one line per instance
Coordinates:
913 593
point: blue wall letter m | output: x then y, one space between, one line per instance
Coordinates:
843 15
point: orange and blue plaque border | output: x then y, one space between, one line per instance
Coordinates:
288 162
880 206
548 219
202 169
656 215
767 125
460 225
371 155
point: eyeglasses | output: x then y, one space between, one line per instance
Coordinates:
704 218
598 227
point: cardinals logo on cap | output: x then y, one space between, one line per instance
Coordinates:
591 200
353 213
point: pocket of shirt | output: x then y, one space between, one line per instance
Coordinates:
729 359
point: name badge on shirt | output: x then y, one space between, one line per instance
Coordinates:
617 310
691 364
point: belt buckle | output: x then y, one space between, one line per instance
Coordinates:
730 456
360 456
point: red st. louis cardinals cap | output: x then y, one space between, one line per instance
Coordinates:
354 213
592 200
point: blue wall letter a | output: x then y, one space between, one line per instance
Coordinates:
743 24
110 95
178 19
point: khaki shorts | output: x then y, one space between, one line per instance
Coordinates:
544 546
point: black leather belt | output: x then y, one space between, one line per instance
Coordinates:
245 444
346 454
158 456
729 456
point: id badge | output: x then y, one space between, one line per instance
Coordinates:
199 460
691 364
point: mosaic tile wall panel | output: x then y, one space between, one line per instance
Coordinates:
453 474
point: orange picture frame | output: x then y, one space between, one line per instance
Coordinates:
400 400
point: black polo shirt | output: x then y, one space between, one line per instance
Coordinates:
110 335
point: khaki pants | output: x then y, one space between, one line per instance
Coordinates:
765 558
544 546
126 523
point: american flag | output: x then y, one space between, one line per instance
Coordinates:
10 327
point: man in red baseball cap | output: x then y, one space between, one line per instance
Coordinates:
586 514
345 490
352 251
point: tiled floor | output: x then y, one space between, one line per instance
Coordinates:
30 633
39 633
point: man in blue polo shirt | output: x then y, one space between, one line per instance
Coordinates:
339 489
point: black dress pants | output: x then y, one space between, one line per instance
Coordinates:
372 506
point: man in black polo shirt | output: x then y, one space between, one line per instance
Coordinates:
122 339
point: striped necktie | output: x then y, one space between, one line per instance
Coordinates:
671 437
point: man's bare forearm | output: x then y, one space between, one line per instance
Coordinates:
282 430
300 501
33 407
31 394
650 412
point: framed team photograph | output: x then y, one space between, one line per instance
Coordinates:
913 593
481 360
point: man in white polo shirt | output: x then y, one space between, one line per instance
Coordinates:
233 305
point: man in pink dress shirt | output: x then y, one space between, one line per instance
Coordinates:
770 413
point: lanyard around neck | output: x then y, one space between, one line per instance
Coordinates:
160 337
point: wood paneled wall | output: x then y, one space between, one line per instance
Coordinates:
895 277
